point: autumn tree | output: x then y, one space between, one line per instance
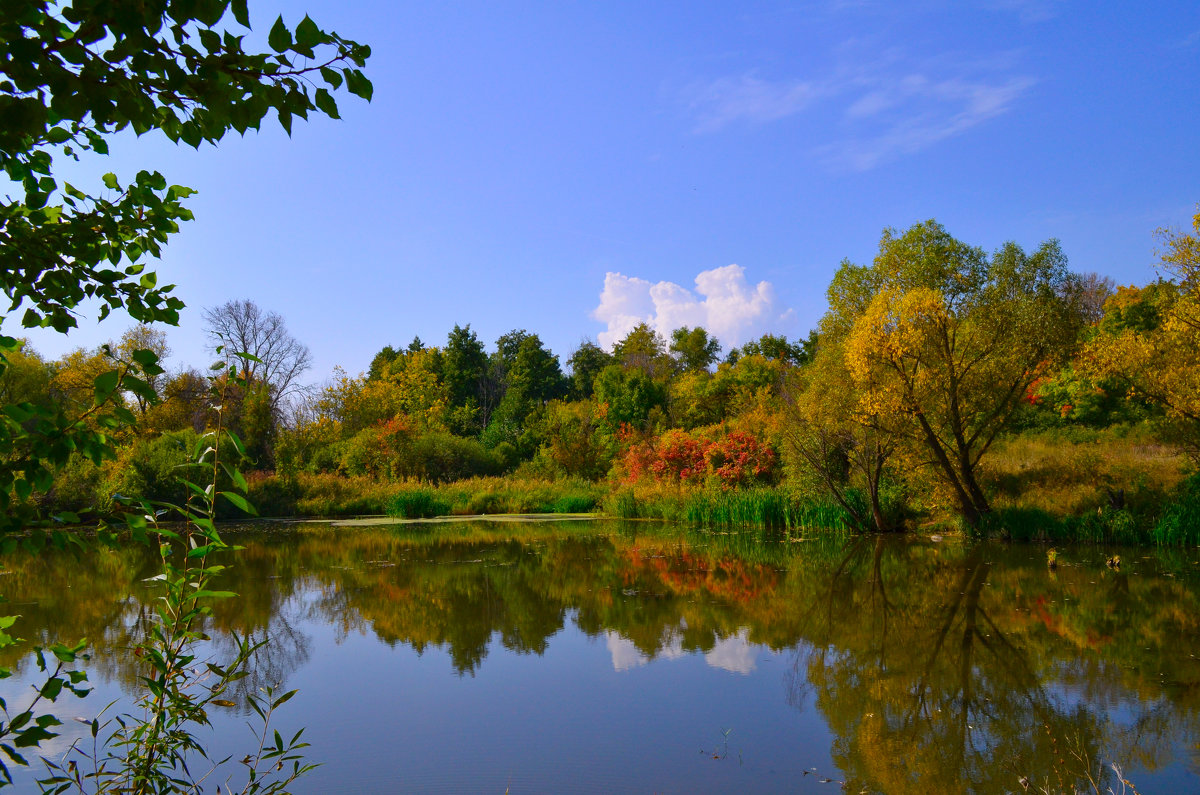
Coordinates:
1149 339
945 337
844 445
145 338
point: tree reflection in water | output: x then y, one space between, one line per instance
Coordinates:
967 699
935 666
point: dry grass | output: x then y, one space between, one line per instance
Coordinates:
1072 475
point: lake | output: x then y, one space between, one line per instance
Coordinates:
604 656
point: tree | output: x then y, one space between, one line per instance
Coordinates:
586 363
627 397
464 369
846 448
533 379
242 327
644 349
941 335
778 347
71 75
385 358
1149 339
145 338
26 377
693 349
78 72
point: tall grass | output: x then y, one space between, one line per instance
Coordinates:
1118 485
719 507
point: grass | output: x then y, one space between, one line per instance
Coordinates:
717 507
1073 474
329 495
1114 486
1050 486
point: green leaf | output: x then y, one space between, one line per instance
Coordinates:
280 38
308 35
240 502
326 104
110 181
332 77
52 688
205 594
241 13
359 85
105 384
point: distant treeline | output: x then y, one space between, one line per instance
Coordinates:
908 402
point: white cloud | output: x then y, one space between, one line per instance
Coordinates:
735 654
878 105
724 303
1028 11
748 98
928 112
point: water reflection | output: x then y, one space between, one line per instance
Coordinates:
933 666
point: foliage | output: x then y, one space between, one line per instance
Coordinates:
1179 524
71 75
693 348
627 397
1149 340
845 447
948 340
572 440
463 370
643 349
732 459
418 504
586 363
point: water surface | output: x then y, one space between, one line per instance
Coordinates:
605 656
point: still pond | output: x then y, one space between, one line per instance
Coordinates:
601 656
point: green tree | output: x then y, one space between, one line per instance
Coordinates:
586 363
385 358
949 339
693 349
533 379
628 397
464 368
643 348
772 346
73 74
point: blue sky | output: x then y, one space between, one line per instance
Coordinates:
570 168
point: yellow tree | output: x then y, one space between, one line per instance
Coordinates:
943 341
1149 340
845 442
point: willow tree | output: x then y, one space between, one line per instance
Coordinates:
847 447
943 341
